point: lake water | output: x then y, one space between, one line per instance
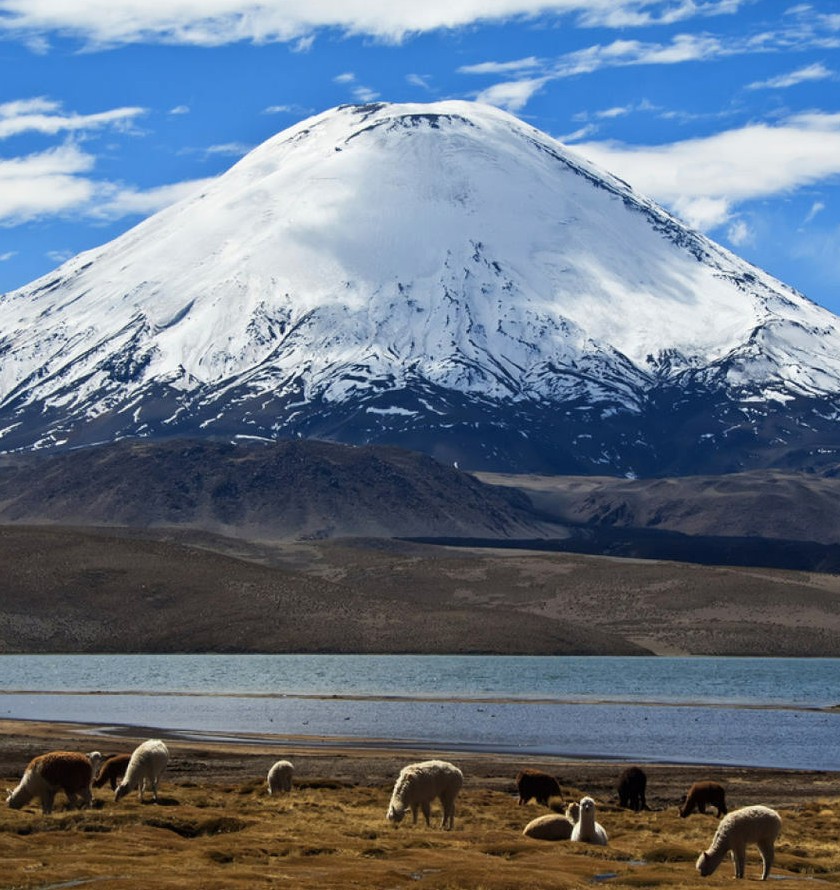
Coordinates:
752 712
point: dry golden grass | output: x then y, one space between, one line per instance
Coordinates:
333 834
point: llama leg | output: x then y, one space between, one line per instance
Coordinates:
449 813
414 808
154 790
427 812
765 847
739 856
47 800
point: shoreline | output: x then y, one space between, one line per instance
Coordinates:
20 740
259 744
707 736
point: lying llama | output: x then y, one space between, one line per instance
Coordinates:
551 827
631 789
750 825
112 770
147 762
280 777
533 783
586 829
418 784
47 774
701 795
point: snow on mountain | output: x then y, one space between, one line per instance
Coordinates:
440 276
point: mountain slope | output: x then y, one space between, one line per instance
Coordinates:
260 491
442 277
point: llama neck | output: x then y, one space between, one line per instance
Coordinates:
718 849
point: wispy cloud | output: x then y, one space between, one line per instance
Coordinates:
418 80
704 179
105 23
515 66
802 32
360 92
739 233
817 71
816 208
228 149
45 116
626 15
4 257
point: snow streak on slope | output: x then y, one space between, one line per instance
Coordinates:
409 263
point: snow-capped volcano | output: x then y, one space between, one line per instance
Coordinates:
439 276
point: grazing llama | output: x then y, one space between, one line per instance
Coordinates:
750 825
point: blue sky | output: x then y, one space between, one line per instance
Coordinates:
725 111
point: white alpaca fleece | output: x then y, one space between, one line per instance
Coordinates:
418 784
47 774
586 829
551 827
147 762
280 777
750 825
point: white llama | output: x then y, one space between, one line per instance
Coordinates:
750 825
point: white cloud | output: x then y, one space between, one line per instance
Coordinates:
364 94
7 255
418 80
229 149
43 115
581 133
624 15
704 179
512 95
59 256
739 233
304 44
501 67
43 184
816 207
616 111
180 109
817 71
217 22
56 182
119 202
360 92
